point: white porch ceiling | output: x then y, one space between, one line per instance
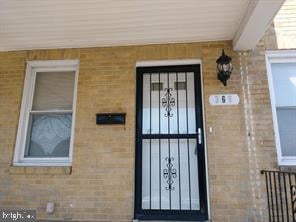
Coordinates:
39 24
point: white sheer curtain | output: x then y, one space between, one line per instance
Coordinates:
50 135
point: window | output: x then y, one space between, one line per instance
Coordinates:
155 86
180 85
281 67
46 124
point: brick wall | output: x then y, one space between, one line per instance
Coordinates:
285 25
100 185
260 141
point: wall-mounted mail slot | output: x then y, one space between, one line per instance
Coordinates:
110 118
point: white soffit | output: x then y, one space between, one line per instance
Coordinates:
39 24
257 18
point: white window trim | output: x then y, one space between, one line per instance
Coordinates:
28 91
172 62
278 56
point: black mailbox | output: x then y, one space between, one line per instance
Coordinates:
110 118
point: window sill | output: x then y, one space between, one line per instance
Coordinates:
286 162
43 163
43 170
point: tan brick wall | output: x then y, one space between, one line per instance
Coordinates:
285 25
260 141
101 184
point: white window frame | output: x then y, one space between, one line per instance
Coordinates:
278 56
29 85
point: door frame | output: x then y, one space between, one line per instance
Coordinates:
154 63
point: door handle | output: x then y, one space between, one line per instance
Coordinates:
199 135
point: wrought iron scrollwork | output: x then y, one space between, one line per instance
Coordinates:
170 173
293 193
168 102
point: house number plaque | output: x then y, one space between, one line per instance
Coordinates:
224 99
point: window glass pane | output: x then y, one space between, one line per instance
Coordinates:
48 135
186 104
180 86
172 121
284 83
155 86
163 114
155 104
170 174
168 103
191 103
54 91
146 104
287 130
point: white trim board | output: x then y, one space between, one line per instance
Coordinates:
173 62
53 63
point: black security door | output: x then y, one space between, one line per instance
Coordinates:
170 158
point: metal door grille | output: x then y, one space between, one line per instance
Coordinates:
170 156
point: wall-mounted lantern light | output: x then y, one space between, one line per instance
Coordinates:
224 68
